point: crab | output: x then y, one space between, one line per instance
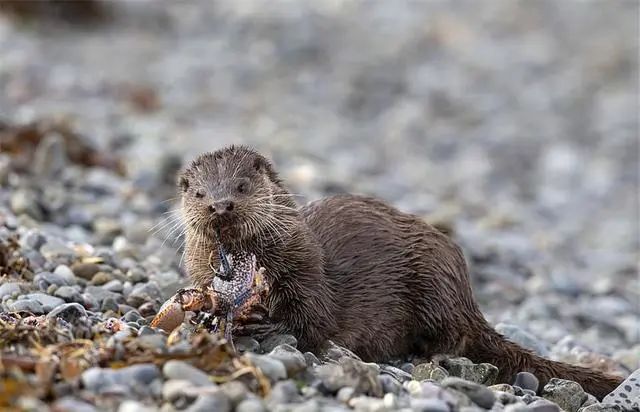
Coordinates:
236 288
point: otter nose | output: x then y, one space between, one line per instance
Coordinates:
222 207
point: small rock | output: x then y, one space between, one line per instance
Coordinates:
272 368
101 278
429 405
236 391
503 387
603 407
292 359
48 302
9 289
70 312
283 392
542 405
627 394
134 406
526 380
24 201
175 369
109 304
345 394
429 371
216 401
390 384
335 352
246 344
271 342
126 380
68 293
65 273
69 403
28 305
480 395
567 394
396 373
483 373
85 270
311 359
250 405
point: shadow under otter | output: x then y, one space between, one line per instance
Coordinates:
352 269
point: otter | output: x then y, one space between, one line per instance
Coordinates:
347 268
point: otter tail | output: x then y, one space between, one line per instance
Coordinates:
493 348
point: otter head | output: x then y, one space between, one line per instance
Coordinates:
234 191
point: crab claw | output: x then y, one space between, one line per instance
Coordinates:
172 313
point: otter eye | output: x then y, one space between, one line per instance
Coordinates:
241 187
199 194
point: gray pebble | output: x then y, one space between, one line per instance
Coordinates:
69 403
246 344
526 380
250 405
567 394
28 305
283 392
236 391
70 312
271 342
603 407
479 394
272 368
429 405
217 402
9 289
543 406
396 373
429 371
292 359
483 373
85 270
68 293
175 369
627 394
130 378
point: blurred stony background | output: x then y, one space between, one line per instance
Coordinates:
515 123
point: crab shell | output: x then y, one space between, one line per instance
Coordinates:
171 314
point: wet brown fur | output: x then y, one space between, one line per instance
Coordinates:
355 270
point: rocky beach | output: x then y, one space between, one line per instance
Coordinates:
512 124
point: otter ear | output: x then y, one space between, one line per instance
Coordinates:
183 182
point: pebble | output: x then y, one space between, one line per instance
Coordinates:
542 405
604 407
85 270
70 312
246 344
429 405
568 395
429 371
236 391
175 369
283 392
217 402
627 394
272 368
250 405
68 293
127 379
271 342
483 373
9 289
135 406
290 357
526 380
479 394
71 404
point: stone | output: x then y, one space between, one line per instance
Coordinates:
246 344
85 270
69 403
272 368
429 405
236 391
48 302
68 293
271 342
390 384
603 407
283 392
479 394
135 406
350 372
568 395
526 380
69 312
396 373
216 401
175 369
292 359
28 305
9 289
24 201
429 371
335 352
627 394
65 273
250 405
543 405
483 373
126 380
